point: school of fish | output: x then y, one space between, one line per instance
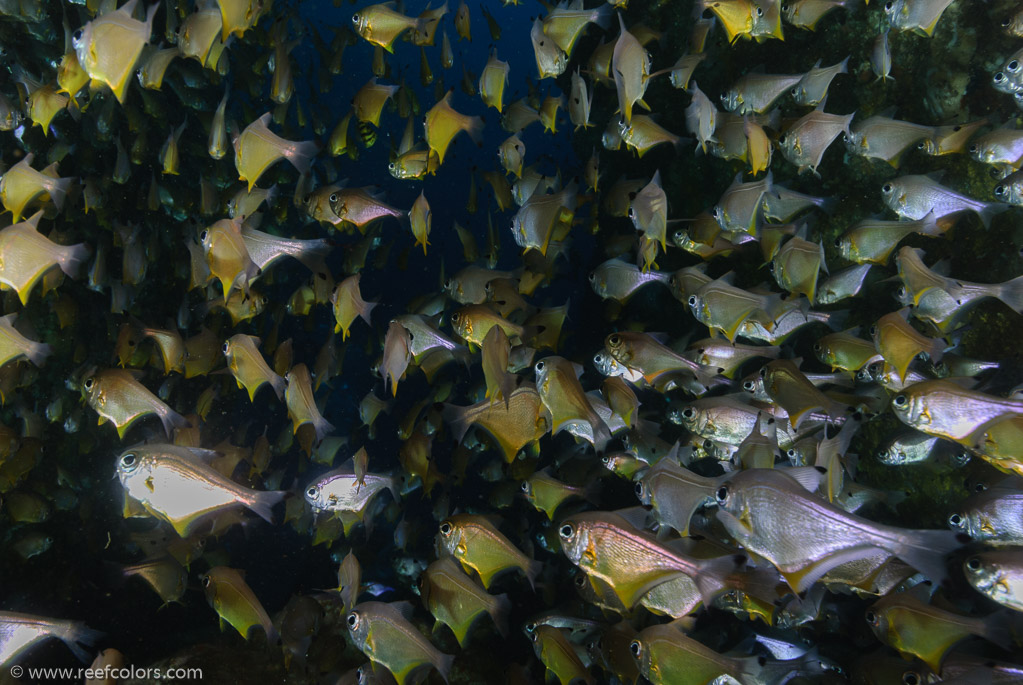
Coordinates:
709 371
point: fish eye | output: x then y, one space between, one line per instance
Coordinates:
910 678
445 528
226 347
692 301
540 367
838 242
391 166
129 460
1013 66
567 531
311 492
873 330
639 490
722 494
89 382
888 6
748 386
204 236
791 453
355 18
886 188
353 620
636 648
763 372
689 413
999 77
205 581
817 347
871 618
593 277
580 581
332 198
955 521
785 8
531 626
534 636
973 563
614 340
974 149
900 401
1000 190
760 11
525 486
781 139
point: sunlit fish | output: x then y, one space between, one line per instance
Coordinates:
914 197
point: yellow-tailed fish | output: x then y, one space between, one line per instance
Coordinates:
617 279
547 493
655 362
667 656
165 575
429 20
397 354
919 16
227 255
302 409
882 137
643 133
26 256
257 148
804 143
384 633
511 153
914 628
551 61
495 351
218 140
873 240
200 33
236 604
899 343
457 601
361 206
14 345
630 68
722 307
566 22
171 346
21 185
462 22
109 46
797 264
558 655
71 77
477 544
514 425
443 123
629 561
944 408
447 57
369 101
153 66
118 397
790 389
381 25
558 384
177 485
347 303
169 156
420 221
248 367
916 196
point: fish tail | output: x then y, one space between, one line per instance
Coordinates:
171 420
75 635
925 550
602 16
989 210
301 155
58 190
38 352
474 127
532 570
1011 293
458 419
443 664
323 427
499 612
262 504
278 384
72 257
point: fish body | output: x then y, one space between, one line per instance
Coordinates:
918 16
248 367
175 484
109 46
666 656
755 93
443 123
20 633
361 206
343 491
618 280
384 633
943 408
882 137
257 148
514 425
803 144
457 601
997 574
493 81
302 409
236 604
812 89
772 515
118 397
914 197
477 544
14 345
562 394
551 61
381 25
21 185
228 256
